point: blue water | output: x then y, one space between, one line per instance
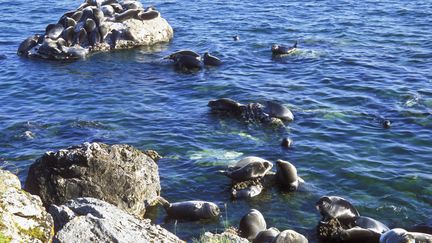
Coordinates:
358 63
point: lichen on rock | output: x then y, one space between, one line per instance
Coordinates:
119 174
22 215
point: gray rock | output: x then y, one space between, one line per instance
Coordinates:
22 215
94 220
118 174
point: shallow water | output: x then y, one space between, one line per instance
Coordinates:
358 63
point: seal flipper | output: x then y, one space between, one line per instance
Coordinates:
162 201
295 44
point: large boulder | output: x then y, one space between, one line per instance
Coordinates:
22 215
98 25
93 220
119 174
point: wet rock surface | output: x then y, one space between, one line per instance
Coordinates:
22 215
98 26
93 220
119 174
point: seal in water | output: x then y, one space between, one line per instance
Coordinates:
236 38
225 105
290 236
266 236
251 224
283 50
187 62
249 170
247 189
190 210
176 54
336 207
287 142
286 175
27 45
277 110
210 60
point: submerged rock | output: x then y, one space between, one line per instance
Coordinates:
229 235
98 26
119 174
93 220
22 215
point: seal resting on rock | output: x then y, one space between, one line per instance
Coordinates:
283 50
398 235
248 168
335 207
270 113
251 224
266 236
189 210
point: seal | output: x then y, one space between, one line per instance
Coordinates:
359 235
132 5
77 16
248 171
251 224
67 22
115 36
68 35
190 210
54 31
176 54
287 142
80 37
246 189
290 236
107 10
90 25
277 110
236 38
117 7
148 15
187 63
335 207
266 236
27 45
371 224
94 37
128 14
286 175
103 30
283 50
210 60
253 112
99 16
399 235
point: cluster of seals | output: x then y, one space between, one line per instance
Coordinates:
341 222
187 60
251 174
189 210
270 113
253 227
95 25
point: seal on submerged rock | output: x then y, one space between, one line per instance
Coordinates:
335 207
283 50
251 224
189 210
27 45
246 189
248 168
272 112
210 60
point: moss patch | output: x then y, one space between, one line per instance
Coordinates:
5 239
35 233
